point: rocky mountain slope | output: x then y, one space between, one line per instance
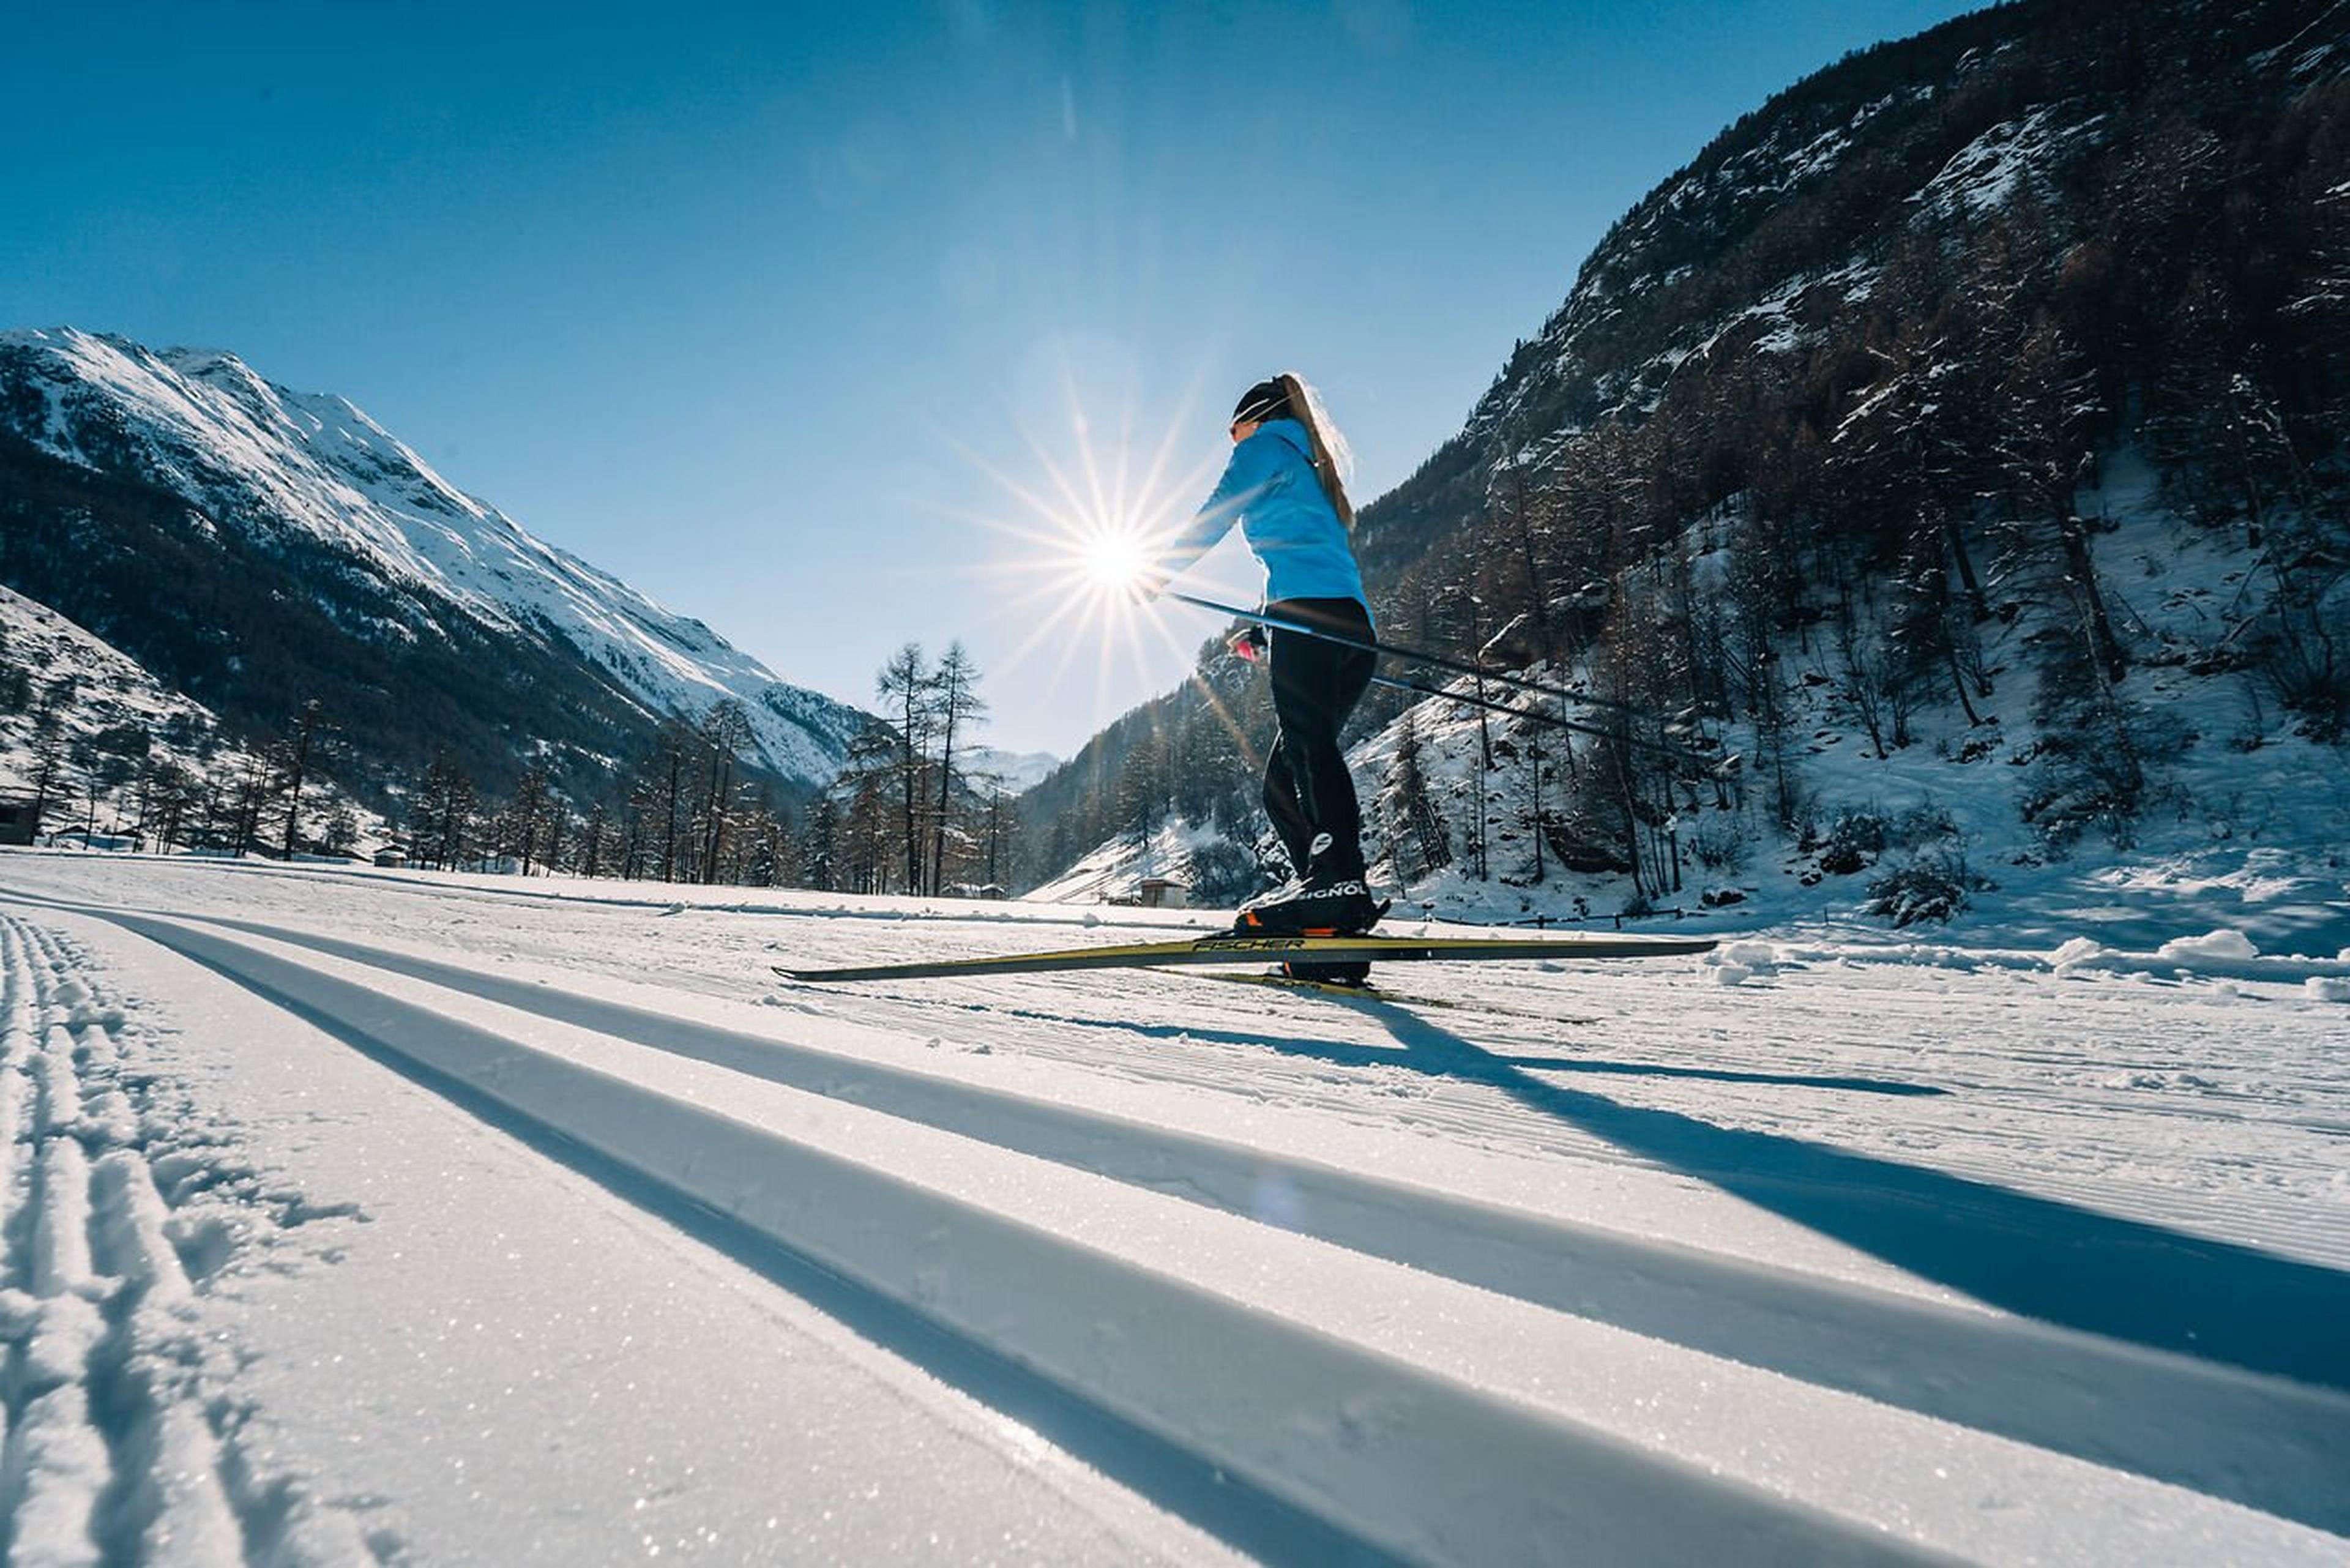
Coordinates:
100 753
257 548
1966 422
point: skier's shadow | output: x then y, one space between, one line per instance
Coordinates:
2038 1257
1347 1054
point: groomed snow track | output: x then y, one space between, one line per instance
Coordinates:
120 1447
1364 1369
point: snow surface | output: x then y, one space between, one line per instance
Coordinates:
367 1214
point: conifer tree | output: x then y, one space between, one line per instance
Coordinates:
819 845
956 706
295 756
906 689
1421 843
721 736
594 837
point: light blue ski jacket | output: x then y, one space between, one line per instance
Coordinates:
1270 489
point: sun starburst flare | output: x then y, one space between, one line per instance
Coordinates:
1088 537
1115 558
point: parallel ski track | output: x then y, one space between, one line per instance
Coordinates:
1367 1500
2013 1126
2085 1174
123 1439
2079 1167
1991 1373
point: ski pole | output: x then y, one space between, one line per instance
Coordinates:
1718 767
1247 646
1409 655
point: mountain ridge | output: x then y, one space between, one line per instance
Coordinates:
396 555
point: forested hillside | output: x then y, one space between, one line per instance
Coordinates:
318 597
1973 393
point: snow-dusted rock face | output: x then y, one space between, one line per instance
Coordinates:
38 640
1771 245
1957 441
290 470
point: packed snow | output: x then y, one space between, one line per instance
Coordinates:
363 1215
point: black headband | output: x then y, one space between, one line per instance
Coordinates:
1265 401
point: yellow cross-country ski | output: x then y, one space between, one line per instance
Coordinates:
1253 948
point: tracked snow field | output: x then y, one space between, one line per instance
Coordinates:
355 1217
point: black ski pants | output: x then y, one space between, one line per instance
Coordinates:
1316 685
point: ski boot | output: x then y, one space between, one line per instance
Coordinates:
1321 906
1282 894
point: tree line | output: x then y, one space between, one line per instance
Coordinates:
92 769
691 809
908 812
905 814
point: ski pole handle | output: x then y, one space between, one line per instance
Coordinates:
1409 655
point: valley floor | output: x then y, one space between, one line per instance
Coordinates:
355 1216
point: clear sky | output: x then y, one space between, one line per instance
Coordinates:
791 314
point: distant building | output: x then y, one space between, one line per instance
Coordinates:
1163 893
391 856
19 819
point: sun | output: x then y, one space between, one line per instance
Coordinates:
1088 531
1113 555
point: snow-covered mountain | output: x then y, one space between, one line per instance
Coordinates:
1958 439
1018 771
395 555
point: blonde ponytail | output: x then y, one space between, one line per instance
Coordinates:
1333 463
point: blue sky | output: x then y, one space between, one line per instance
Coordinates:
791 314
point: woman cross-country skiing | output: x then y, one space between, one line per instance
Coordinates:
1282 487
